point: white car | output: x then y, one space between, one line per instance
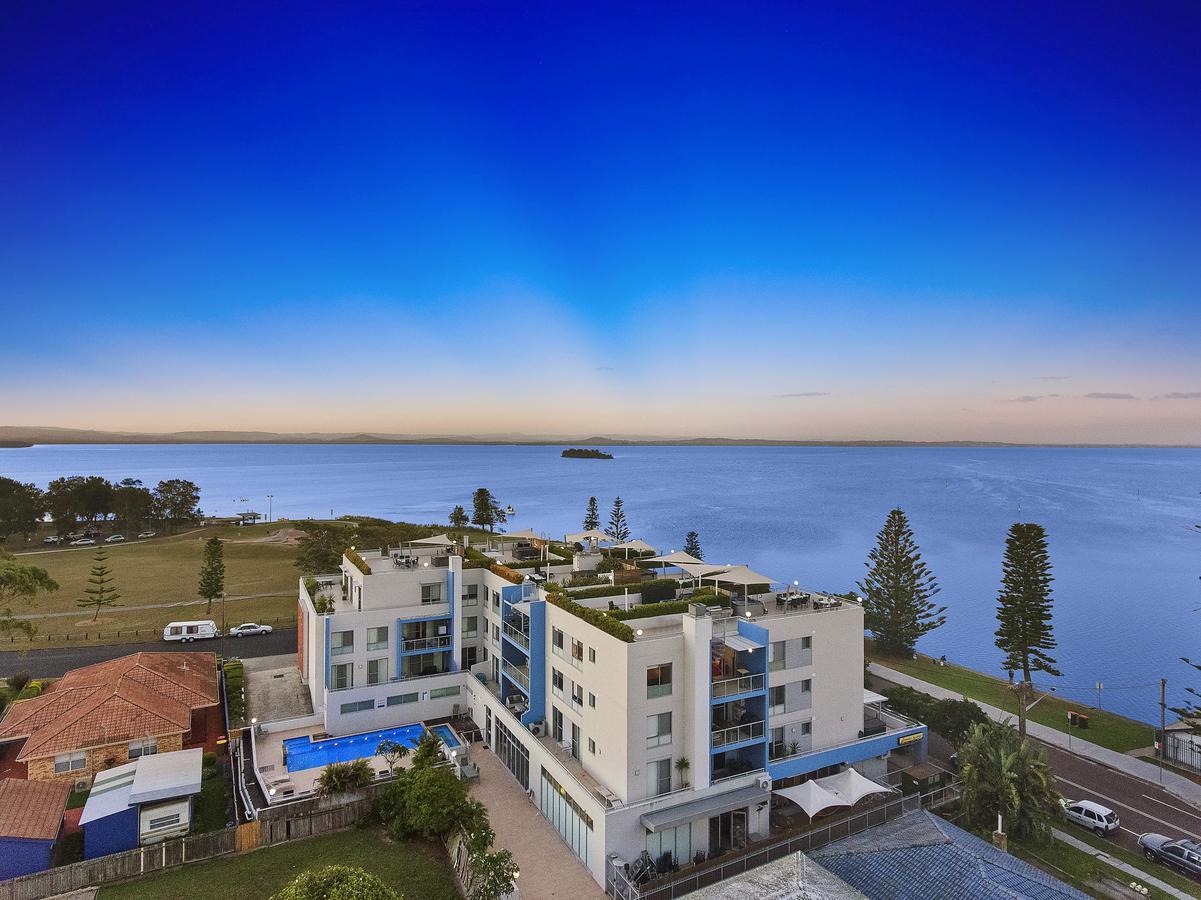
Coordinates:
1092 816
145 534
249 628
52 539
114 539
82 542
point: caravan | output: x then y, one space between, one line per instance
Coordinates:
191 631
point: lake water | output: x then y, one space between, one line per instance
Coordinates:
1126 558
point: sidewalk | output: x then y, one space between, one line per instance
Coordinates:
1137 874
1188 791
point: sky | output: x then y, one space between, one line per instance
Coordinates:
819 221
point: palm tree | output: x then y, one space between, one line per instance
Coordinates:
1006 776
344 777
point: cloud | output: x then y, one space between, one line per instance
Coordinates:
806 394
1183 395
604 369
1025 398
1101 395
1052 377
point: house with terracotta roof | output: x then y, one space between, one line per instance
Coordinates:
107 714
31 815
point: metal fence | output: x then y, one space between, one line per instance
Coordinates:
618 885
275 827
122 634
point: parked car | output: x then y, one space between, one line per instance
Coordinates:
145 534
82 542
191 631
52 539
114 539
1183 856
1093 816
249 628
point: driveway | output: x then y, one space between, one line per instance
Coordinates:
548 867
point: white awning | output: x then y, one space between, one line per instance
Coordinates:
741 575
592 534
870 697
851 787
739 642
702 808
811 797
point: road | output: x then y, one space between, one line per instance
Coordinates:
55 661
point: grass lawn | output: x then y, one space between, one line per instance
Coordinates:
165 570
1163 873
212 805
1105 728
414 870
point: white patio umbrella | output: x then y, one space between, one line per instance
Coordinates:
811 797
637 544
851 787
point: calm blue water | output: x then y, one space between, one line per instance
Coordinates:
305 753
1120 522
447 735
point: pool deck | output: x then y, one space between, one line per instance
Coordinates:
270 749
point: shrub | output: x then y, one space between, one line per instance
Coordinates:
506 573
337 883
659 589
609 564
594 617
235 694
17 682
33 689
357 561
311 585
345 777
953 719
209 759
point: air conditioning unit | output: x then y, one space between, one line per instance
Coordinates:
765 782
537 729
82 785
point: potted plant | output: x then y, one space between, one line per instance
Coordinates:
794 748
682 766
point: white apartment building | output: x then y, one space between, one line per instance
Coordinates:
592 715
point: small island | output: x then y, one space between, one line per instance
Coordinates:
581 453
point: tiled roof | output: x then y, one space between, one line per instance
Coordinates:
32 810
142 695
922 857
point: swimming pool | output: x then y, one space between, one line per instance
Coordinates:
305 753
447 735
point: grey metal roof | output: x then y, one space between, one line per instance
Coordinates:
109 794
922 857
794 877
713 805
165 775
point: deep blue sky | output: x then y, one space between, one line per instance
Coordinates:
641 218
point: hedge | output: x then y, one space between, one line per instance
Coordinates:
506 573
950 718
357 561
594 617
535 563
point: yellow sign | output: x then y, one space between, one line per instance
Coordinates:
909 739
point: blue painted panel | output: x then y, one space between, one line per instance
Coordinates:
23 857
845 755
452 597
112 834
537 710
754 660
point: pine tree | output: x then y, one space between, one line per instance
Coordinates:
458 518
1024 602
898 589
100 593
592 516
618 528
692 545
485 511
212 572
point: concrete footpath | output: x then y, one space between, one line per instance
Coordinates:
1137 874
1188 791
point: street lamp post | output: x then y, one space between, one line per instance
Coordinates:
270 497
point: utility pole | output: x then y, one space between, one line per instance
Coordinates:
1020 687
1099 694
1163 716
270 497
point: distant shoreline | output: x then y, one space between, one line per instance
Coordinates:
24 437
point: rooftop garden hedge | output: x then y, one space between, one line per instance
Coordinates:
357 561
594 617
506 573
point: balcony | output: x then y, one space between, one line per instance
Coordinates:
519 675
748 731
517 636
729 687
426 645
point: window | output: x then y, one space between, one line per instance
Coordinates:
658 681
806 728
163 822
556 642
400 699
592 700
775 700
145 747
591 654
341 676
377 638
341 642
659 776
431 593
357 706
71 762
496 601
556 723
658 729
577 696
577 653
377 670
556 682
495 633
453 691
471 595
776 744
471 626
775 656
591 746
806 685
807 643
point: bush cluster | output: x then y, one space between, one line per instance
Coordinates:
950 718
357 561
594 617
235 692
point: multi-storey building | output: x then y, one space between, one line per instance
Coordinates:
663 733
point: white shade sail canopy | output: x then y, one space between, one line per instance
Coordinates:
592 534
438 540
811 797
526 535
740 575
637 544
851 787
675 558
870 697
697 570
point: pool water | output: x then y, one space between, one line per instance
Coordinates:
446 735
305 753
